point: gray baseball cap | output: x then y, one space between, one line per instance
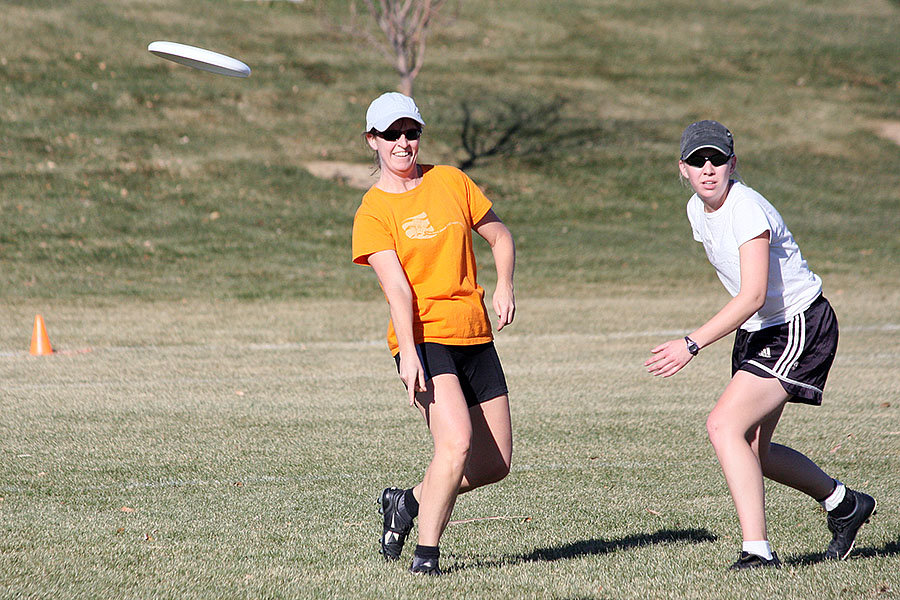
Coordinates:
389 107
706 134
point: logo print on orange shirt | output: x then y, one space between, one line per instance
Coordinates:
419 227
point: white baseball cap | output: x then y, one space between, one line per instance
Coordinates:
387 108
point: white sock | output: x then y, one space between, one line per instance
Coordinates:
762 549
832 501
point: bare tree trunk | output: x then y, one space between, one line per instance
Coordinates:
406 85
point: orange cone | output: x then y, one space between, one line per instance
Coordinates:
40 341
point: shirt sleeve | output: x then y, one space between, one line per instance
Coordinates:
749 221
479 205
370 235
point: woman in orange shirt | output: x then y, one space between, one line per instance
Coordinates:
414 227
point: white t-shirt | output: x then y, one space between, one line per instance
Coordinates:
792 286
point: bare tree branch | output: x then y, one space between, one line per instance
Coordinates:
405 25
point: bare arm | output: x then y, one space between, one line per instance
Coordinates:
670 357
399 296
492 229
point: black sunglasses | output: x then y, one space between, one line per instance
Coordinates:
698 159
392 135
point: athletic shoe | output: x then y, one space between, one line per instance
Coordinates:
424 566
846 528
752 561
397 522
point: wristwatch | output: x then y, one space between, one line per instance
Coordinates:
692 346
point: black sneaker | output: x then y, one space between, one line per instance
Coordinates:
846 528
397 522
424 566
752 561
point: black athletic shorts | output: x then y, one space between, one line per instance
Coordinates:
799 353
477 368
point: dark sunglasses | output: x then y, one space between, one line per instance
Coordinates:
392 135
698 159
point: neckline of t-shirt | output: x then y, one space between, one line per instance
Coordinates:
712 215
426 169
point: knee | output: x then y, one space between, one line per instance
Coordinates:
766 460
715 428
454 451
486 473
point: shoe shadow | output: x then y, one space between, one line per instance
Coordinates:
588 548
804 560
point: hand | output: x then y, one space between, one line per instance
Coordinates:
412 374
668 358
504 305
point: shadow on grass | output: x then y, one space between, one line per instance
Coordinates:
535 128
523 127
591 547
889 549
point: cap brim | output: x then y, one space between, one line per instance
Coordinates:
724 151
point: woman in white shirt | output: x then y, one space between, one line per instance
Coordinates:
785 341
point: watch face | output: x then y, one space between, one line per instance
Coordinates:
692 346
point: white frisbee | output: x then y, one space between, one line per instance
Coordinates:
198 58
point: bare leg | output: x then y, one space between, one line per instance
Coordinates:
491 450
491 453
448 418
786 466
734 430
789 467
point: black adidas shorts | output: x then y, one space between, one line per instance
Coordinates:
477 368
799 353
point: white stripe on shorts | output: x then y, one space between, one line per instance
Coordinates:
782 377
794 347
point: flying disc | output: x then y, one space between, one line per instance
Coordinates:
198 58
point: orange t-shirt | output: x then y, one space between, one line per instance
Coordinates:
430 228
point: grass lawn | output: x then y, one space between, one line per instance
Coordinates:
235 449
221 411
124 175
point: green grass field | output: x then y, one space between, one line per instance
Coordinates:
221 411
235 449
